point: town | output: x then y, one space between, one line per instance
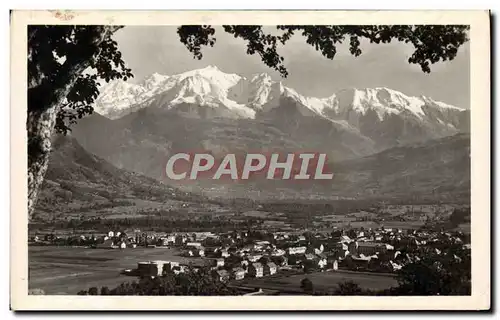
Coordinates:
254 259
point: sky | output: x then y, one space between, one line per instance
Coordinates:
149 49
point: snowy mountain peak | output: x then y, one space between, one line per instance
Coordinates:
153 81
241 97
262 78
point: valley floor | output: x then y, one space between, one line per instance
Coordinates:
67 270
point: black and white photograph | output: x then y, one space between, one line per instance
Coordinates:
254 159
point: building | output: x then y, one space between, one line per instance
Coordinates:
170 266
278 252
319 250
256 270
222 275
219 262
194 253
200 236
297 250
270 268
193 244
369 248
238 273
151 268
322 260
254 257
180 240
333 264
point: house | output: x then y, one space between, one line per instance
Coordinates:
222 275
256 270
224 253
171 266
333 264
200 236
278 252
245 263
200 252
356 263
322 260
254 257
170 239
367 248
260 245
194 253
180 240
219 262
162 242
248 248
296 250
345 239
270 268
320 249
395 266
123 245
151 268
166 241
193 244
238 273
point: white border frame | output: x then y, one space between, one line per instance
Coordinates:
480 162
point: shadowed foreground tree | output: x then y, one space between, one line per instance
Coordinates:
439 271
66 62
348 288
190 283
59 89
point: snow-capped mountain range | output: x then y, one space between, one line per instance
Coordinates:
239 97
210 110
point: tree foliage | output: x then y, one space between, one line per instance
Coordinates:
53 51
432 43
439 271
348 288
199 282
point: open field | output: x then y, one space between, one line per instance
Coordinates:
67 270
322 280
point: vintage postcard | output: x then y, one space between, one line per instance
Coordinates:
250 160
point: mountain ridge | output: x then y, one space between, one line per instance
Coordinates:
210 83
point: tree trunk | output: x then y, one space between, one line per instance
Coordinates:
40 127
45 98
